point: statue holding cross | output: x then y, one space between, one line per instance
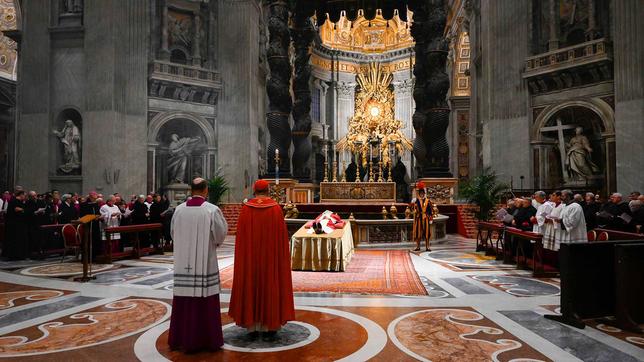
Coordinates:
576 161
580 165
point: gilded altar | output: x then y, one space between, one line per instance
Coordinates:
358 192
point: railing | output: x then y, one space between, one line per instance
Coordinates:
155 230
180 72
588 52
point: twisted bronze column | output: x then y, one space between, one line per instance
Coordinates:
278 87
431 117
302 34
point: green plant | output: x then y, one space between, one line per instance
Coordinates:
485 191
217 188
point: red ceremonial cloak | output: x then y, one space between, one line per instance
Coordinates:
262 292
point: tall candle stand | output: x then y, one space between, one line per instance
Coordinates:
380 179
344 172
371 179
389 179
358 164
326 171
335 171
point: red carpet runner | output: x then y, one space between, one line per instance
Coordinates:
369 272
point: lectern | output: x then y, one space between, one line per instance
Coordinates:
84 230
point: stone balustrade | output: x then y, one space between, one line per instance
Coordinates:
186 74
580 54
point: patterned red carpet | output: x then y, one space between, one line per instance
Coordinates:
369 272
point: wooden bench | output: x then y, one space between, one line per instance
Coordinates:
525 240
619 235
485 238
601 279
155 232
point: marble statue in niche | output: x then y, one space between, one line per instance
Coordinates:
579 163
179 150
70 138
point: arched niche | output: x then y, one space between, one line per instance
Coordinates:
201 159
554 129
67 134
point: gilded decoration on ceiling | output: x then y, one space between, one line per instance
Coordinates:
8 53
367 36
373 117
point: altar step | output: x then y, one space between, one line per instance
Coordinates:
231 214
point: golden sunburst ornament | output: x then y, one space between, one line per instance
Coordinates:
373 120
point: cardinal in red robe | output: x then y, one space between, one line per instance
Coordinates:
262 292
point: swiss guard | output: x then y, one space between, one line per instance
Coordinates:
423 216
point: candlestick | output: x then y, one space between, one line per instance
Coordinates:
370 171
326 171
389 175
344 171
277 166
358 162
335 171
380 171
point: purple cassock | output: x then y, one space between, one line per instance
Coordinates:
195 324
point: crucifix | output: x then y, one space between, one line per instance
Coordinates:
562 143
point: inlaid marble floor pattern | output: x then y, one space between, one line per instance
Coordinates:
474 310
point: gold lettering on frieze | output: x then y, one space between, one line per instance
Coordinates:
355 68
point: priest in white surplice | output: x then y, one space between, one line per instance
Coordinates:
197 228
572 220
544 207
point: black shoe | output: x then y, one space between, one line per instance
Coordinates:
253 335
417 249
427 249
270 336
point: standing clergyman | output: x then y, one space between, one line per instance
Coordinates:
198 227
572 220
262 295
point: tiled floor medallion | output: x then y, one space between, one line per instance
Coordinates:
9 299
292 335
62 269
96 326
318 334
19 264
126 274
166 258
605 325
456 334
520 286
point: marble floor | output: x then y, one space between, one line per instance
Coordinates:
475 310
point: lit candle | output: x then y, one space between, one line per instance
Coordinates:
277 166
